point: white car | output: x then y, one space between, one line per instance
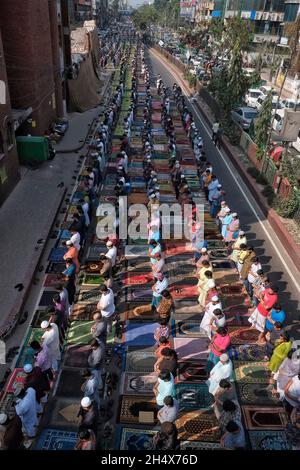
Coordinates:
266 89
262 98
252 96
291 104
278 120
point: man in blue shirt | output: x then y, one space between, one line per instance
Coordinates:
70 268
277 315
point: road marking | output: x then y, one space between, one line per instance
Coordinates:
295 282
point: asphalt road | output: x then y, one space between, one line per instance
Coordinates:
275 260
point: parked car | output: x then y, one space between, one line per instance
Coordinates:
252 96
278 120
243 116
266 89
291 104
262 98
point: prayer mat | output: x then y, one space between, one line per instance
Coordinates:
92 280
69 383
247 352
189 292
93 267
218 254
186 306
138 265
138 279
79 332
89 296
223 264
55 268
136 439
137 198
26 355
7 405
39 316
134 251
192 396
181 265
47 298
197 426
264 418
195 445
140 361
226 277
187 279
235 300
16 380
269 440
191 348
178 249
215 244
251 372
137 384
242 335
51 280
83 311
111 199
63 413
138 294
256 394
187 329
137 241
132 405
232 290
189 317
54 439
57 254
77 355
140 334
139 313
95 251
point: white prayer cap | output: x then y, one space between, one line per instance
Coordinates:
27 368
44 324
68 242
219 186
3 418
123 153
234 214
227 209
224 357
215 298
211 284
182 176
152 196
154 180
203 250
109 243
153 173
241 232
177 164
86 402
223 203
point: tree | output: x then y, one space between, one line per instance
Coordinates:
144 16
237 29
237 83
262 124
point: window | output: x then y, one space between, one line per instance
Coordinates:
291 12
10 136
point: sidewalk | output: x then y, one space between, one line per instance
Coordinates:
29 213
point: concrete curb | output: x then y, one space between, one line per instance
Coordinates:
273 218
14 314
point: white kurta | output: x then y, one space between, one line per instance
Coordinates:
288 369
208 315
26 409
51 339
219 372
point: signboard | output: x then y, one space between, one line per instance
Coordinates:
187 9
290 126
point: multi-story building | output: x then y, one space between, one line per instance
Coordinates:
83 10
9 165
36 56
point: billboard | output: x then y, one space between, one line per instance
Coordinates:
290 126
187 9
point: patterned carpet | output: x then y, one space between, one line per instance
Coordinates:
55 439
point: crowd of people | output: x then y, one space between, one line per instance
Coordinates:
266 314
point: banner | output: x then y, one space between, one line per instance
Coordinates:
291 125
187 9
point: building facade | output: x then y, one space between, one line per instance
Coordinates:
9 165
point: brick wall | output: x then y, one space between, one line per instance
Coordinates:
28 51
9 165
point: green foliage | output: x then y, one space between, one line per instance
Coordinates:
262 124
260 179
231 130
237 83
268 192
144 16
253 171
286 207
291 170
239 30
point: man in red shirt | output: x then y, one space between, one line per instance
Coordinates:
261 312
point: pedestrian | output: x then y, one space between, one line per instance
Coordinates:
111 253
38 381
98 329
259 315
219 345
42 359
86 440
215 128
168 360
222 370
165 306
50 338
160 285
106 305
287 370
234 438
72 254
166 438
225 391
168 413
282 347
163 330
96 360
26 409
90 386
210 312
164 387
88 414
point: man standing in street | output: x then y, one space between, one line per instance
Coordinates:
106 305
